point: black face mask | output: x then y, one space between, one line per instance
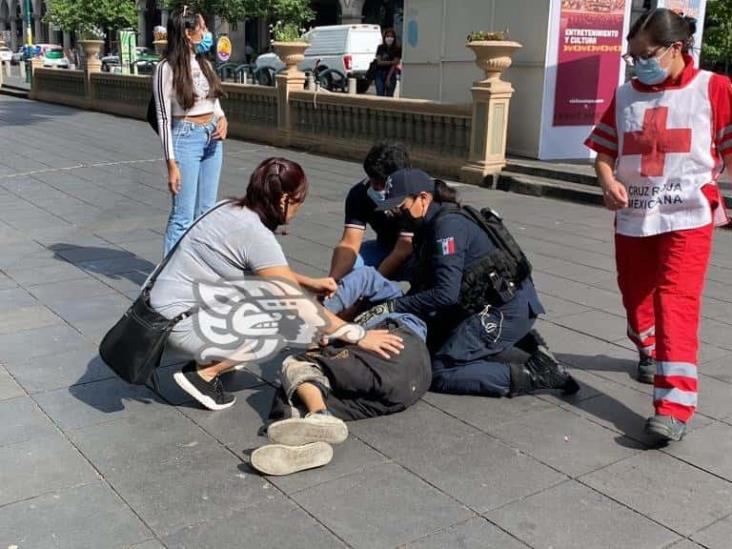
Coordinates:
409 223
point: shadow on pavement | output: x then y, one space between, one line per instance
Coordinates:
110 262
14 112
608 409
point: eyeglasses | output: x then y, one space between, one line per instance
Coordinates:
631 59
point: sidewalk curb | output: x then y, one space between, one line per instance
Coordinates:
579 190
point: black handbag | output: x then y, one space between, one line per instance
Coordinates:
152 114
133 347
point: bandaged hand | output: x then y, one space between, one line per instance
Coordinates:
375 311
350 333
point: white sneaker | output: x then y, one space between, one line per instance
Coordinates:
279 460
312 428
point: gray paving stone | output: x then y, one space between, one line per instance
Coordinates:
708 448
236 427
79 254
27 318
486 413
720 368
96 308
21 420
716 536
350 457
685 544
715 398
662 488
39 342
476 533
8 387
90 516
81 289
449 461
598 324
56 271
399 507
169 470
573 516
276 522
565 441
40 465
16 297
97 402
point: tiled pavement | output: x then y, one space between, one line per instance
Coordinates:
87 461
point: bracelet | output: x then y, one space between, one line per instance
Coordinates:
350 333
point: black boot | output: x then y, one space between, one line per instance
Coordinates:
532 342
541 371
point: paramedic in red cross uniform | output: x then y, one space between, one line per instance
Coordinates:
661 146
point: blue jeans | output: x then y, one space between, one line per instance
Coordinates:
368 283
199 159
384 88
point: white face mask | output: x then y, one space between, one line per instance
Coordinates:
388 40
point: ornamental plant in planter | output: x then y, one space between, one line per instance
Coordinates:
493 52
288 42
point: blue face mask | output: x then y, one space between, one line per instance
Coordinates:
649 71
377 196
204 46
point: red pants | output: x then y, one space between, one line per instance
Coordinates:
661 279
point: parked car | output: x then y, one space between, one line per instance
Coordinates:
145 58
55 58
6 55
18 56
347 49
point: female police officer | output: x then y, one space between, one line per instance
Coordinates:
477 299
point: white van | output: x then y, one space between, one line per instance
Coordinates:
349 49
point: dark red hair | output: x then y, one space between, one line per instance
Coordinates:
273 178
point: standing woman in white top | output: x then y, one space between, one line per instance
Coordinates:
191 122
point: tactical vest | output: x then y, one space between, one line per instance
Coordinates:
492 280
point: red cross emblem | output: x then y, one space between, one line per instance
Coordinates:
655 141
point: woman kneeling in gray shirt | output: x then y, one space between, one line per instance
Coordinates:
246 303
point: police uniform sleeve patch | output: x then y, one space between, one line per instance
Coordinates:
445 246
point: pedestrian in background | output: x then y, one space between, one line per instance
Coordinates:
191 122
661 145
387 62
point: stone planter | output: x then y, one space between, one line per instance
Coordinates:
160 47
92 49
291 54
493 56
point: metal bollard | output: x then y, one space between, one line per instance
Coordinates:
398 88
22 71
9 70
311 81
351 86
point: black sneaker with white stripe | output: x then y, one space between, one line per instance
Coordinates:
210 394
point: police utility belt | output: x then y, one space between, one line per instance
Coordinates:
495 278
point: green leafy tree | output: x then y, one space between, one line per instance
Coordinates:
289 15
91 17
717 40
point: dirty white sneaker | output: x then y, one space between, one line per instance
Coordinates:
278 459
314 427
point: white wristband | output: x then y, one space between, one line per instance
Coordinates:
350 333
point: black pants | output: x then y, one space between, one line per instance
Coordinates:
363 384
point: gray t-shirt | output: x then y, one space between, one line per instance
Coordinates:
225 245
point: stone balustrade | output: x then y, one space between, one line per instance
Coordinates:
438 135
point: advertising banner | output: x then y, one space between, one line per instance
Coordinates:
223 49
588 59
127 49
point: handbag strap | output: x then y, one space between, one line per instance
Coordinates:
161 265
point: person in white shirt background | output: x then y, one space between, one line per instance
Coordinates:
191 122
